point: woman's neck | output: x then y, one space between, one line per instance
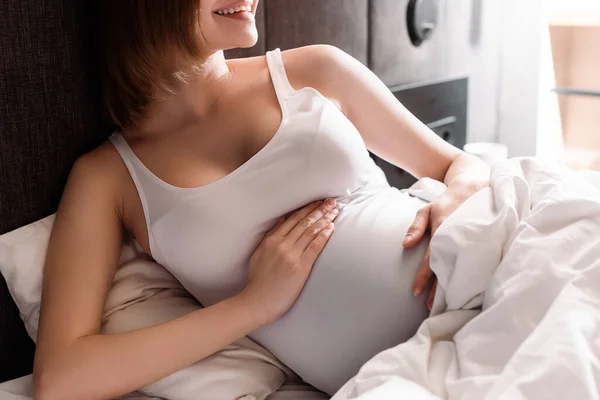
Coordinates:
197 91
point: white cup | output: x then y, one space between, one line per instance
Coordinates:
490 153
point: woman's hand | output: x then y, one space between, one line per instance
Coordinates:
283 261
429 218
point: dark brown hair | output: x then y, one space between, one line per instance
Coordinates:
138 42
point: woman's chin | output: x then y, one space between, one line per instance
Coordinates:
236 36
245 45
249 41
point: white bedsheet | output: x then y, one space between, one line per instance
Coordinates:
22 389
517 314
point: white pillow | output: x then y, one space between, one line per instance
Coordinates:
22 255
143 294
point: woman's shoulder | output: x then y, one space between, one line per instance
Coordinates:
304 55
326 68
304 66
101 167
322 54
103 160
312 65
322 67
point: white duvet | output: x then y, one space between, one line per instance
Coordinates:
517 313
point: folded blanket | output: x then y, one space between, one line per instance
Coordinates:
517 312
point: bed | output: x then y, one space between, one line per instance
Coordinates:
50 115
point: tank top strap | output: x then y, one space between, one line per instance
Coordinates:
136 171
282 85
129 158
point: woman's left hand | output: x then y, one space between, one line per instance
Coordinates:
429 218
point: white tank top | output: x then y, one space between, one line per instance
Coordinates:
358 299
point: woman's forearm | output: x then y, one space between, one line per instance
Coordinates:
108 366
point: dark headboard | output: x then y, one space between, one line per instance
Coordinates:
48 117
50 113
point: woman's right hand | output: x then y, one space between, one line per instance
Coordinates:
282 263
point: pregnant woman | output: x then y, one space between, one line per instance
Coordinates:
208 156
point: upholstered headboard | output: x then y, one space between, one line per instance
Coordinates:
48 117
50 113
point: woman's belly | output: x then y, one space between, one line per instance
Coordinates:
358 300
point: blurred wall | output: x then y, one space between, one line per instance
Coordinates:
503 60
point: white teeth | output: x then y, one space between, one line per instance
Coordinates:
234 10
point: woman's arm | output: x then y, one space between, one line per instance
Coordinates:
389 130
74 361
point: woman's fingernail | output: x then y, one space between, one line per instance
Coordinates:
335 211
331 202
407 239
417 292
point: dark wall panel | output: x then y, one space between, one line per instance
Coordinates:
49 115
342 23
398 61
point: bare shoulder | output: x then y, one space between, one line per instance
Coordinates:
309 66
316 65
99 174
325 68
102 163
330 70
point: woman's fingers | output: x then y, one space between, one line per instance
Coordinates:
290 223
308 221
418 228
317 245
280 221
311 233
431 296
423 276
